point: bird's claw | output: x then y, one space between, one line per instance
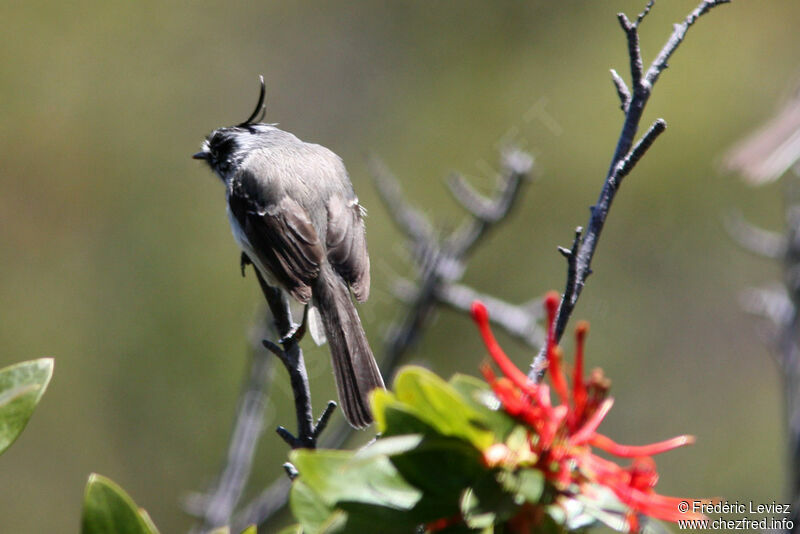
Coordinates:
296 333
244 261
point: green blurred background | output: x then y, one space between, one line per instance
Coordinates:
118 261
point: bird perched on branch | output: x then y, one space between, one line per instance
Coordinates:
296 217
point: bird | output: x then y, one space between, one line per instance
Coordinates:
295 215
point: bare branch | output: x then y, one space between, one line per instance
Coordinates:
677 37
755 240
770 303
323 420
644 12
634 52
442 264
407 218
630 161
521 321
624 159
517 167
623 92
470 200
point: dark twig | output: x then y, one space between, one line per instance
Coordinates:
292 358
644 12
291 355
677 37
626 155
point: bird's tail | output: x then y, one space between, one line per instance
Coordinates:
354 366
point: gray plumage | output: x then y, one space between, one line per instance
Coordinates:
295 215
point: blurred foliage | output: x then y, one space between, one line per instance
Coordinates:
21 388
118 260
108 509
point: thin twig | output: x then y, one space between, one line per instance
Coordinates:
755 240
625 157
623 92
520 321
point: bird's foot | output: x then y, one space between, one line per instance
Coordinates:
244 261
296 333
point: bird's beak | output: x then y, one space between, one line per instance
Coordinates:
200 155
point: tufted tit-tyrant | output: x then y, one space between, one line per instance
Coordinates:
295 216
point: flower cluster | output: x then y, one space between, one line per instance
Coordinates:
561 437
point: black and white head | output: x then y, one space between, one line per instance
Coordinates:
225 148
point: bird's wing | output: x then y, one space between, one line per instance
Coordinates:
347 245
281 235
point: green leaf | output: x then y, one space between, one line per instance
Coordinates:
21 387
390 446
345 492
441 468
480 397
307 506
108 509
253 530
401 420
343 476
437 403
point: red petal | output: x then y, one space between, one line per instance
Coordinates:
578 385
556 376
632 451
520 379
587 431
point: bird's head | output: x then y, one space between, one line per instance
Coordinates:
225 148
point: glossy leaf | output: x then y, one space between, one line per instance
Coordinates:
344 476
108 509
21 387
437 403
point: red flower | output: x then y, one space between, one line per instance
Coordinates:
561 437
